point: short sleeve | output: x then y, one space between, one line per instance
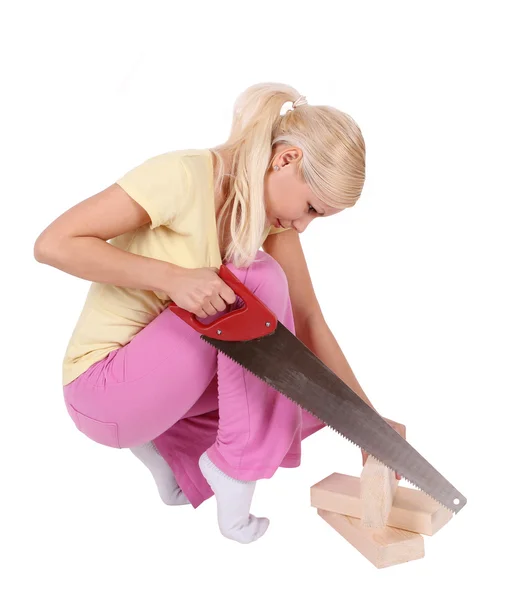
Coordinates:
273 230
270 231
159 185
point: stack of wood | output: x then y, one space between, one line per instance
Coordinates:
381 519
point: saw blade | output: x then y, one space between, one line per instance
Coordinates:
283 362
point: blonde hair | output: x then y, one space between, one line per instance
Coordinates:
332 164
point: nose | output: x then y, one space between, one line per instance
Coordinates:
301 224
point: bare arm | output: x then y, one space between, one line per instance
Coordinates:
311 328
310 325
76 242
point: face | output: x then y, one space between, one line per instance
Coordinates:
289 202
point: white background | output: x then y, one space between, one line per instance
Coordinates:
418 282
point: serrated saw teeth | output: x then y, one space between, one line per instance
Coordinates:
273 385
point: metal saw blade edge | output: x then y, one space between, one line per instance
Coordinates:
272 384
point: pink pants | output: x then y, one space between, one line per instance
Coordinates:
169 386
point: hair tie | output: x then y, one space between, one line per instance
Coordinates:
301 101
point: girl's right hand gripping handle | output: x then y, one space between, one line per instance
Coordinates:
251 321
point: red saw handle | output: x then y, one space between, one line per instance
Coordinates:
251 321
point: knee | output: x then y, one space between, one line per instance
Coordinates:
266 279
266 272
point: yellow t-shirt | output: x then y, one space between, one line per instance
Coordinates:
176 190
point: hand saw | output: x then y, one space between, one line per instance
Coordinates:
253 337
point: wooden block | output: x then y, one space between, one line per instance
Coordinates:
383 547
412 509
378 485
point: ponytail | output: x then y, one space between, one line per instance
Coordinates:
333 162
255 117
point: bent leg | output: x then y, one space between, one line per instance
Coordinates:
259 428
140 390
183 443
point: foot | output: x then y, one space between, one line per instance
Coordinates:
169 490
233 500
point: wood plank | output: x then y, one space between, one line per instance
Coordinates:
412 509
378 485
384 547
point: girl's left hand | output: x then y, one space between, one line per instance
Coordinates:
399 428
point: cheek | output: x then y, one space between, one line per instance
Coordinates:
270 195
288 209
282 197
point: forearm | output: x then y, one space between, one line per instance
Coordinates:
94 259
316 334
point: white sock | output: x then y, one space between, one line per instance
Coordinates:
233 500
167 485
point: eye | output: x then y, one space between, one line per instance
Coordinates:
311 209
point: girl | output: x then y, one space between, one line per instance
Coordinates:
134 374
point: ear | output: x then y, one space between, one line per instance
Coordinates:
290 155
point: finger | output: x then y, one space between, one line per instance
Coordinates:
400 428
209 308
218 303
227 294
201 314
215 306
